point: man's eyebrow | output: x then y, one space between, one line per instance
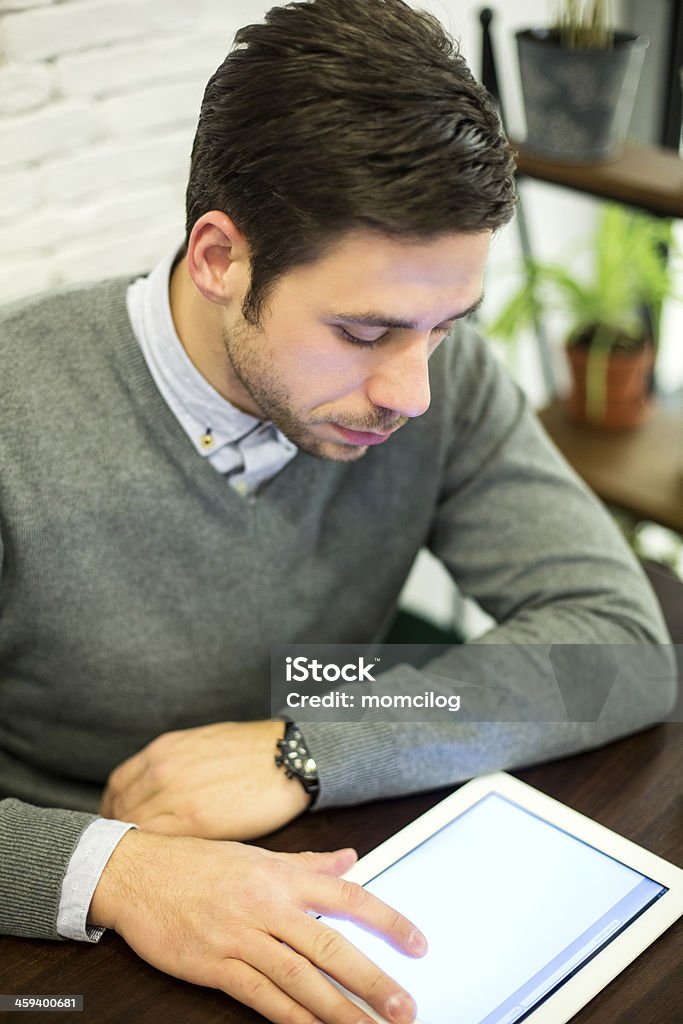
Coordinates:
381 320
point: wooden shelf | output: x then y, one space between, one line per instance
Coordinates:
647 177
639 470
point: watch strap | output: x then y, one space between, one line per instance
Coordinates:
294 756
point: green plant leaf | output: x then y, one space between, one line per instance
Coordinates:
629 272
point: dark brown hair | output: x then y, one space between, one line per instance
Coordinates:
339 114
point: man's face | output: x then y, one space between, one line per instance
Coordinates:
339 360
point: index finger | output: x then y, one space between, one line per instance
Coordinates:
349 901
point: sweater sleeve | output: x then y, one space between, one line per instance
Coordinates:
579 653
36 844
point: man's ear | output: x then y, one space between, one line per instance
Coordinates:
217 257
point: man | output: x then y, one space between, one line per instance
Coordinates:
249 447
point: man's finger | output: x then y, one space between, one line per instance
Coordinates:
348 901
336 956
295 975
120 778
250 986
142 798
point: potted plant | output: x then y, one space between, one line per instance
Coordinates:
610 344
579 80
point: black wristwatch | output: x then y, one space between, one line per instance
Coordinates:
293 755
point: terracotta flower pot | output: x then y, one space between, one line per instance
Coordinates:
624 390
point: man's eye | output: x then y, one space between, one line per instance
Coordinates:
363 342
437 333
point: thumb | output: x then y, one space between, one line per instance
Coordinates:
335 862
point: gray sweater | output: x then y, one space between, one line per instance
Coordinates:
140 593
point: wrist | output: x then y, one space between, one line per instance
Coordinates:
121 874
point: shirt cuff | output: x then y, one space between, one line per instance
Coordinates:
85 868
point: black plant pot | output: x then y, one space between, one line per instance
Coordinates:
578 103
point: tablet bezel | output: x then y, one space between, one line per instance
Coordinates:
560 1006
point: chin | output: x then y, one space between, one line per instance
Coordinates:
333 452
344 453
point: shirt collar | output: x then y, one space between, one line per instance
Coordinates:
200 407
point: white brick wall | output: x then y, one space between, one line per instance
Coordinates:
118 68
116 216
21 194
162 106
62 28
20 5
98 105
24 87
40 134
114 165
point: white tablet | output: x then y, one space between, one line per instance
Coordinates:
529 907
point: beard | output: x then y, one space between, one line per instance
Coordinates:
257 377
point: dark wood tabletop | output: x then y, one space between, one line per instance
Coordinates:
633 786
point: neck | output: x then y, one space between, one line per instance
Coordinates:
199 325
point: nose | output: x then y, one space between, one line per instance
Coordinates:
401 381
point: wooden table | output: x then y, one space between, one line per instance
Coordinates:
632 786
639 470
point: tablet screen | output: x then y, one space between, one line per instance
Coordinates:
512 906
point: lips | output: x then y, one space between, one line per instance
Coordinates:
362 439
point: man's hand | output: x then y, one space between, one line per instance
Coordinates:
216 782
235 918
